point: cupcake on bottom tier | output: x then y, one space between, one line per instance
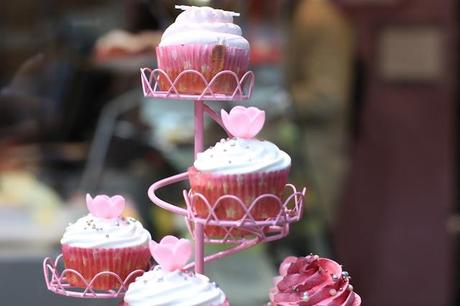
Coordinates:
243 167
168 285
176 288
206 40
312 281
104 241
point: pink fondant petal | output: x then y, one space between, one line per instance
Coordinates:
152 246
169 240
103 206
253 111
243 122
89 202
256 123
117 205
163 255
182 252
225 117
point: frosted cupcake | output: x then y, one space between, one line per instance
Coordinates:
103 240
206 40
311 280
168 285
241 166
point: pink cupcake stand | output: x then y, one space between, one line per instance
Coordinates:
291 205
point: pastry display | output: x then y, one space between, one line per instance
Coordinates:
310 281
168 285
242 166
237 195
103 240
206 40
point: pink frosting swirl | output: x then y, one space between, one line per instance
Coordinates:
311 280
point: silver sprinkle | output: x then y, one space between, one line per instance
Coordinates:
305 297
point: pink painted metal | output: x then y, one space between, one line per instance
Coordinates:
150 86
198 235
55 278
262 231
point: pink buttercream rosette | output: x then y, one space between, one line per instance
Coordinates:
245 123
91 261
206 59
310 281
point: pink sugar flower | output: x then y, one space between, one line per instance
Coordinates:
106 207
243 122
171 253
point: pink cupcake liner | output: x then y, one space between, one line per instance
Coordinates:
207 59
245 186
88 262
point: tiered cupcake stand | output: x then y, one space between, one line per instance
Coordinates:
260 231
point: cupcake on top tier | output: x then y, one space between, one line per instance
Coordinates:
206 40
241 166
312 281
168 285
103 240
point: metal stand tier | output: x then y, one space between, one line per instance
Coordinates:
56 278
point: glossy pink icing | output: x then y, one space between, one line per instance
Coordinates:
311 280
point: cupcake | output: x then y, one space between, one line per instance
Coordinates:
206 40
242 166
103 240
311 280
168 285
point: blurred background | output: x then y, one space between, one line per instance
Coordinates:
361 93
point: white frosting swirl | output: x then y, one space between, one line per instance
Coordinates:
239 156
159 287
94 232
204 25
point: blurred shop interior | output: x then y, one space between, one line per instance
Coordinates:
361 93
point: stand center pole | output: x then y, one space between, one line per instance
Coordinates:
199 145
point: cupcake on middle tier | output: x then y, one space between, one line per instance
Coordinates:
242 166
